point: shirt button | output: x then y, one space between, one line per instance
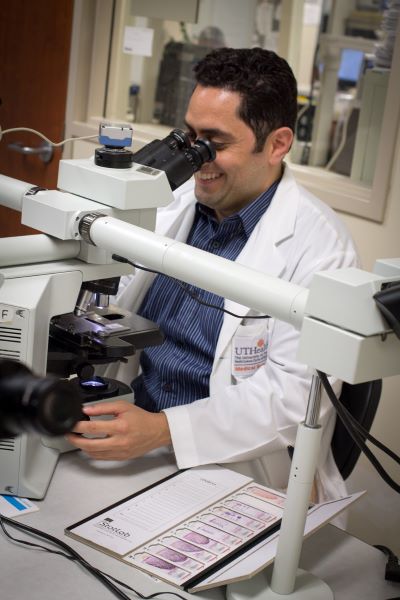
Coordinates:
216 244
167 387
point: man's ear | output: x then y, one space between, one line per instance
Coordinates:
279 142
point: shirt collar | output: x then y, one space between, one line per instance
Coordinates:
250 214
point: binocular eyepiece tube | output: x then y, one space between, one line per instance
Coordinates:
175 154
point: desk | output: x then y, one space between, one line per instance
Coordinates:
80 487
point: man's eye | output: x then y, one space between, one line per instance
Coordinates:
219 145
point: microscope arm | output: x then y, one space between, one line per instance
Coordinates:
278 298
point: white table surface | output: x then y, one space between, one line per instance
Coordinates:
354 570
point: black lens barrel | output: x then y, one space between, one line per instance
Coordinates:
176 156
46 405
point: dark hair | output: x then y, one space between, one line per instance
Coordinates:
265 82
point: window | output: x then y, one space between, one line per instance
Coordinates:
129 65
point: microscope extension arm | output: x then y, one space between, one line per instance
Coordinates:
278 298
338 312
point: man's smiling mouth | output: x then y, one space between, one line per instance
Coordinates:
209 176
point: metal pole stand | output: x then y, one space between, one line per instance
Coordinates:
287 580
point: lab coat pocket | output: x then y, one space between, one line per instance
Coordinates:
249 349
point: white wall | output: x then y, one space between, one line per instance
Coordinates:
376 517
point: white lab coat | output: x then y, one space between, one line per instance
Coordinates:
249 423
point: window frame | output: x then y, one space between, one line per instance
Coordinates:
93 65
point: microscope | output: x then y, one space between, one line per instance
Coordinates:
55 311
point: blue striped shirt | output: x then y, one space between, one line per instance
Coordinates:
178 371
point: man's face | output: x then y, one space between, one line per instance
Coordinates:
239 174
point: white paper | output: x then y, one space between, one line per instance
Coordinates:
312 13
147 515
11 506
138 41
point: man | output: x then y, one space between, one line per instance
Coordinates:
197 392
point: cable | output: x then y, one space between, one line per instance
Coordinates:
359 434
392 569
55 144
186 289
358 429
74 556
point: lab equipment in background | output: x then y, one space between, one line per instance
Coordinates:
267 23
300 150
345 114
331 52
360 126
365 133
387 35
176 81
365 20
134 91
350 68
344 136
374 90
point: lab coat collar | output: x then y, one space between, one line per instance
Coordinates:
184 205
280 217
263 249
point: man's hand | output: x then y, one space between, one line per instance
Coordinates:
131 433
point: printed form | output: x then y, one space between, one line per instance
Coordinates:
145 516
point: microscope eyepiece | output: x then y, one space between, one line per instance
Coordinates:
202 151
176 155
178 139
